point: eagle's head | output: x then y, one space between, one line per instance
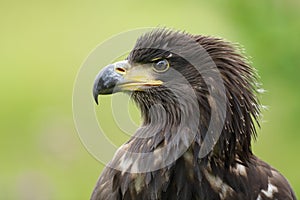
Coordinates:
174 77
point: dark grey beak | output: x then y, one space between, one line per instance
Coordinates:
121 76
107 79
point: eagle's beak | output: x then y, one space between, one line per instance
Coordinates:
121 76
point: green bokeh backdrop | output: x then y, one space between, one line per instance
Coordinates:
43 44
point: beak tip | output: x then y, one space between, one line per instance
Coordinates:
95 94
96 98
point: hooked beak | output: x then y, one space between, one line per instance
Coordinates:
121 76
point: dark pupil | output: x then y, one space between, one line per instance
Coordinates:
161 65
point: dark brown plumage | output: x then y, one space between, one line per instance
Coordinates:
179 100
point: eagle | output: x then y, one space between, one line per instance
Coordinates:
198 100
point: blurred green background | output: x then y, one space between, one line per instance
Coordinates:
43 44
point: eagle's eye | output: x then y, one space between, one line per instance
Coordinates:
161 65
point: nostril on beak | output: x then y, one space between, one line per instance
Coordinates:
120 70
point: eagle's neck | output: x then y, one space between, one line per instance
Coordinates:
184 123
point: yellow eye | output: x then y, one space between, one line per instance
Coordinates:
161 65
